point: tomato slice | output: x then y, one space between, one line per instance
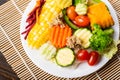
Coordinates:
82 55
71 12
82 21
93 58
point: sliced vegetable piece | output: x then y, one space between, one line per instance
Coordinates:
65 36
59 35
65 57
84 35
56 34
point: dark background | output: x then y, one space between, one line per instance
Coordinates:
3 1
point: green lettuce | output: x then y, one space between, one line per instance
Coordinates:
111 50
91 2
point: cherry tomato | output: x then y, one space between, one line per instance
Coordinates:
75 23
82 21
82 55
93 58
71 12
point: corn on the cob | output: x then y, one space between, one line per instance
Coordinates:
40 31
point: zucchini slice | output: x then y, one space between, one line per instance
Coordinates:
65 57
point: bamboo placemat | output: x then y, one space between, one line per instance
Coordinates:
10 46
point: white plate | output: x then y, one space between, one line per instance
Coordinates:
51 68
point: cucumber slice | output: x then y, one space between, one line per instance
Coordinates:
65 57
84 35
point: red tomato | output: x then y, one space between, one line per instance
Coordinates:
93 58
75 23
71 12
82 55
82 21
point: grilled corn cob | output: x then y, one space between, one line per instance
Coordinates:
40 31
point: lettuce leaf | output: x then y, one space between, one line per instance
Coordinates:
91 2
111 50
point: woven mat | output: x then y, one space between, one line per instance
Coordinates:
10 46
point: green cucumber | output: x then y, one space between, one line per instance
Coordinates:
65 57
84 35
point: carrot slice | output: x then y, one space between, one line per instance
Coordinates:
68 35
56 34
60 37
69 32
51 38
64 36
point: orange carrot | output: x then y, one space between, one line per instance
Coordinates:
37 15
68 35
52 33
64 36
60 37
56 34
69 32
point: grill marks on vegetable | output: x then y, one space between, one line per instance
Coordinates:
59 35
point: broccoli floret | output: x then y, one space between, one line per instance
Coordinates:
100 39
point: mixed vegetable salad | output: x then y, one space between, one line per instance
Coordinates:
65 31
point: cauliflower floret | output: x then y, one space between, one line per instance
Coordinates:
81 9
